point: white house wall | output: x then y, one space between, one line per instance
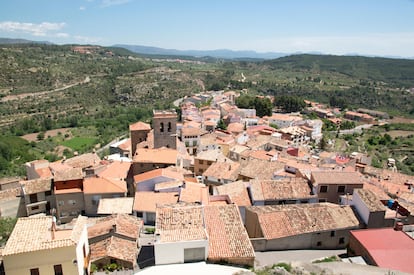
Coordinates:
173 253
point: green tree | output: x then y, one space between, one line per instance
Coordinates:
221 125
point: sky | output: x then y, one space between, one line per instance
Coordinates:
364 27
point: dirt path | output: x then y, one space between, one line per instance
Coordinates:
20 96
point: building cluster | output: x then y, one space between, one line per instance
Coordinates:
211 195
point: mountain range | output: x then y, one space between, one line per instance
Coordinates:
218 53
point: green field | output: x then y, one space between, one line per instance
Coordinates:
80 143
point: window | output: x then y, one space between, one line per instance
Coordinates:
319 244
323 189
162 127
33 198
341 189
58 269
332 233
61 203
71 202
169 126
201 161
200 171
34 271
341 240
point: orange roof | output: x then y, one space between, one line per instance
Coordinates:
95 185
161 172
237 191
223 170
116 170
235 127
44 172
148 201
139 126
160 155
126 146
194 192
227 237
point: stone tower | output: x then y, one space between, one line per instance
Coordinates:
164 124
138 133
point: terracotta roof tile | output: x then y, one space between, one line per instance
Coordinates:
194 192
180 223
160 155
237 191
288 188
260 169
223 170
227 236
33 234
137 126
125 225
83 161
147 201
116 170
115 247
370 199
36 186
278 221
161 172
68 174
336 177
95 185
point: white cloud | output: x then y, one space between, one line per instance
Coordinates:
41 29
108 3
86 39
62 35
82 8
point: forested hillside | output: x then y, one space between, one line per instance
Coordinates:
99 93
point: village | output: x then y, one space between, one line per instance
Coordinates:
190 190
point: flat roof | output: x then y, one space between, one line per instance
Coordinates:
388 248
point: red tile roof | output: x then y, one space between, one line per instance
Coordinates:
278 221
161 172
180 223
139 126
388 248
160 155
194 192
147 201
237 191
116 170
94 185
228 239
289 188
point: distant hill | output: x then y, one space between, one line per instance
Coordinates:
390 70
221 53
21 41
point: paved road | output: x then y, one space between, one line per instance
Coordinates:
272 257
357 129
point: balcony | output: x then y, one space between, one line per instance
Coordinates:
36 208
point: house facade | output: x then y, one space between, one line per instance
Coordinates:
37 247
330 185
300 226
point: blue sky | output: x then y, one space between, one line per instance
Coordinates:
366 27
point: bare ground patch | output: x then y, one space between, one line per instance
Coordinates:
400 133
51 133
